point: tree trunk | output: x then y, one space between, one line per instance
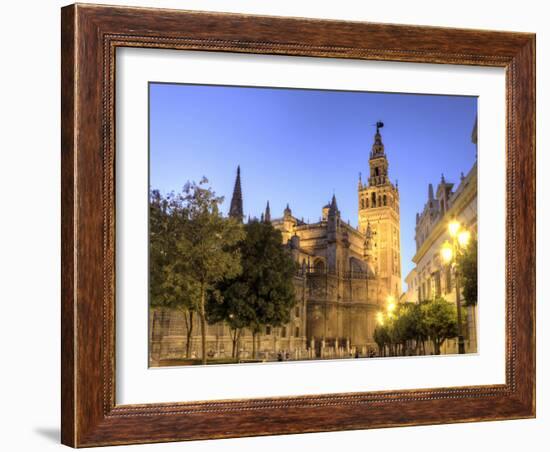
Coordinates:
238 345
254 333
203 324
437 345
189 332
233 342
235 336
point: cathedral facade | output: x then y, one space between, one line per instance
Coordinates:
344 277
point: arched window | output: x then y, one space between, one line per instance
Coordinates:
373 199
355 265
379 200
385 200
367 203
319 266
362 203
376 171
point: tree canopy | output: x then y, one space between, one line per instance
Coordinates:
467 264
263 293
414 323
170 285
192 248
440 321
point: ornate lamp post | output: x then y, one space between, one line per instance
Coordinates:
460 238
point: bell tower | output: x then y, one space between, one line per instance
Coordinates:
379 212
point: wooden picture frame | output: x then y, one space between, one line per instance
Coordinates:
90 36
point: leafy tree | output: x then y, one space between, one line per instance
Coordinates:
467 264
268 269
418 331
229 303
406 326
170 284
382 338
207 245
263 294
439 321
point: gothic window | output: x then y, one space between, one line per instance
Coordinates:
355 265
297 331
367 203
385 200
362 203
379 200
319 266
267 330
297 311
283 331
373 199
376 172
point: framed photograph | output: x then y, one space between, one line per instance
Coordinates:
282 225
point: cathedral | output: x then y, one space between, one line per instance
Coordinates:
345 276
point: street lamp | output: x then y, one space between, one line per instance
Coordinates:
449 252
381 316
463 238
390 300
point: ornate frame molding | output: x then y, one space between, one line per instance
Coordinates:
90 36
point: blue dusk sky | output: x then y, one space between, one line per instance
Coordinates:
300 146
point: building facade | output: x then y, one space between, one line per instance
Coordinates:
344 276
431 278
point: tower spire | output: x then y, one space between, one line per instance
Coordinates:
333 209
378 146
267 215
378 162
236 208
